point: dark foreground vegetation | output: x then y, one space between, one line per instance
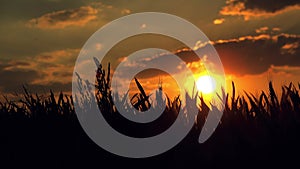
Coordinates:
255 132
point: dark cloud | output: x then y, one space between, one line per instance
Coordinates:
21 63
48 68
62 74
188 56
4 65
45 88
255 54
149 73
162 61
268 5
258 8
241 56
12 80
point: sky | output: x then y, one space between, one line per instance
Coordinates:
257 41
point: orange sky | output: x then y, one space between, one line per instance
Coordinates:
40 41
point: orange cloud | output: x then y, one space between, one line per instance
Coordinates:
58 56
219 21
64 18
125 11
276 29
274 38
239 55
245 38
15 65
290 48
56 66
262 29
251 9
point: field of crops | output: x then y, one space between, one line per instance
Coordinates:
254 131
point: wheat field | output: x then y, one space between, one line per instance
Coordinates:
254 130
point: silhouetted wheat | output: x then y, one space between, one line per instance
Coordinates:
258 128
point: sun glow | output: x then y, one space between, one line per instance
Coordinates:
206 84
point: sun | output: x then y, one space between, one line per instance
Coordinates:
206 84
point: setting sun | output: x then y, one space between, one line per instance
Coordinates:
206 84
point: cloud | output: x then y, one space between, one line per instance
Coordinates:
54 86
99 46
262 29
125 11
258 8
47 70
57 66
254 83
13 79
143 26
276 29
14 65
290 48
288 70
219 21
160 60
64 18
255 54
245 55
267 30
65 56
